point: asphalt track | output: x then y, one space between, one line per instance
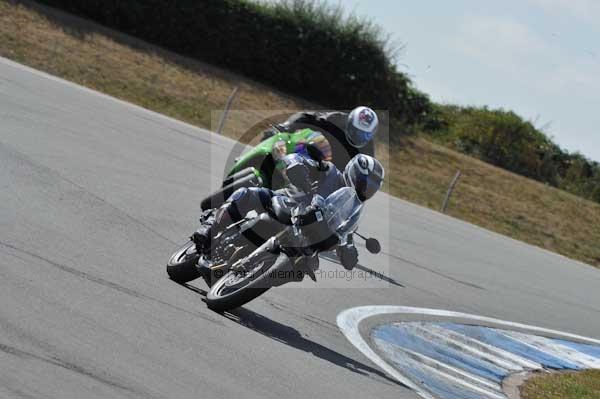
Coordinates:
94 196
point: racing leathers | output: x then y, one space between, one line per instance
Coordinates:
332 125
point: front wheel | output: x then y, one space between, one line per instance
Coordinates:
237 288
181 267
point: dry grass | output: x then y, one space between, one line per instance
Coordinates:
128 68
420 170
579 385
498 200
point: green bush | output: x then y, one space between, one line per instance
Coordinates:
303 47
506 140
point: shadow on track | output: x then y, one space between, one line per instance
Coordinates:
195 289
290 336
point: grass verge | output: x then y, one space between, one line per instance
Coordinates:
419 170
578 385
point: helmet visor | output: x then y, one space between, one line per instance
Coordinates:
366 185
359 138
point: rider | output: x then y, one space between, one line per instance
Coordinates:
364 173
349 134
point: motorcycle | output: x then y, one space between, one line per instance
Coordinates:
265 250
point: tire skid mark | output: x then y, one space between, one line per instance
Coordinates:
15 392
307 317
109 284
435 272
55 173
56 361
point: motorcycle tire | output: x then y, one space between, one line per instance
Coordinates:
219 301
181 267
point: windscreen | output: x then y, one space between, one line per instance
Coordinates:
342 211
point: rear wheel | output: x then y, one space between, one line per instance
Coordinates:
181 267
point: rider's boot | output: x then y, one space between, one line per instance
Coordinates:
203 237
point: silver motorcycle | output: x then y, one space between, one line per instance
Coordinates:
243 265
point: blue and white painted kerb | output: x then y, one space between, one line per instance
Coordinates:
462 360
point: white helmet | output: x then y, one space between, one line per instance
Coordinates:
361 126
365 174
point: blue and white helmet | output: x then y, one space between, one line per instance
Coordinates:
361 126
365 174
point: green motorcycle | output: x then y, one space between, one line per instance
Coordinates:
262 165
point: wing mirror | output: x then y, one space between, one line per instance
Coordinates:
373 245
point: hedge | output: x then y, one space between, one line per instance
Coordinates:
302 47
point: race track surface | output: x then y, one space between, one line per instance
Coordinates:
96 194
